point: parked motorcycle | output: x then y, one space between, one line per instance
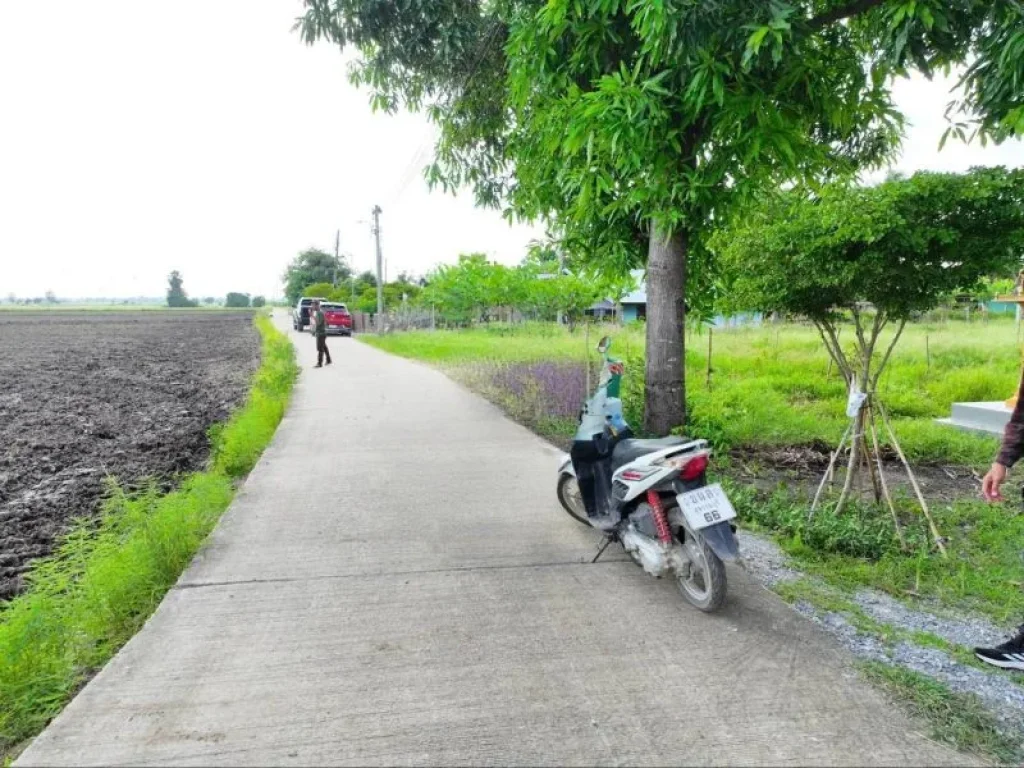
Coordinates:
651 496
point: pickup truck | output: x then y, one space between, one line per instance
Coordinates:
300 315
339 319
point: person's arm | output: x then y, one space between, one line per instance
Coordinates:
1009 453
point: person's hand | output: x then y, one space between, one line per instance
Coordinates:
992 481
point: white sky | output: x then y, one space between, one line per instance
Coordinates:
201 135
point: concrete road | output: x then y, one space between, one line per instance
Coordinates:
396 584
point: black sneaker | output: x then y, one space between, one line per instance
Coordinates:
1009 655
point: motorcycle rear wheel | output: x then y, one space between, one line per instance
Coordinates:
706 585
569 497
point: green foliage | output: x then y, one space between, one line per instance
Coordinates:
176 296
310 267
396 295
860 532
477 290
989 288
901 245
236 300
259 301
317 290
88 599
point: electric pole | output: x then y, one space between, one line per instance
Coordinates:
380 280
337 245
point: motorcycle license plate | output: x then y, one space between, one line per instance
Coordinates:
706 506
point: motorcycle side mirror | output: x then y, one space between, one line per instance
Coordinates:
604 344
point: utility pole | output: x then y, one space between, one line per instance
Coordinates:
337 245
380 280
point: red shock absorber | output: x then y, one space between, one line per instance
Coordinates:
660 521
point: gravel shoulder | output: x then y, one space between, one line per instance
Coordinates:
877 627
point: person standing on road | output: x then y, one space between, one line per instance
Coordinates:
319 323
1009 655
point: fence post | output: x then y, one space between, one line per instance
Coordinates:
711 333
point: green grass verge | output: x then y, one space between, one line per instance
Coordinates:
108 575
957 719
773 385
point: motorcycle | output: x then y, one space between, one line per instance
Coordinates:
651 496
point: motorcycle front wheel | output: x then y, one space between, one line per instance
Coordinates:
571 499
705 585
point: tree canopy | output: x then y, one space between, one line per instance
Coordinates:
313 266
900 246
176 295
236 300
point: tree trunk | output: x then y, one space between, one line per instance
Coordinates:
664 383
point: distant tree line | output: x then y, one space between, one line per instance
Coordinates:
473 290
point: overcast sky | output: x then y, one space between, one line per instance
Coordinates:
201 135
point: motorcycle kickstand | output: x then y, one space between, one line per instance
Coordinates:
607 543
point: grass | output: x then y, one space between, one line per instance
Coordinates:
771 386
955 718
109 574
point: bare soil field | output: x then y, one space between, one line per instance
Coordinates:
86 395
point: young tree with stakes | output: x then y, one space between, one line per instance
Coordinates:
879 255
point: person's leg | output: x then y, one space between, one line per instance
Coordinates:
327 352
319 351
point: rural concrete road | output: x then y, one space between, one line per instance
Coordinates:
395 584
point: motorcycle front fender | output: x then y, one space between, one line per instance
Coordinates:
722 541
566 467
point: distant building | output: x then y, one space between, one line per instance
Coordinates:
602 310
634 307
634 303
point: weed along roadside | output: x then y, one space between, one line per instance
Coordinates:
108 575
773 410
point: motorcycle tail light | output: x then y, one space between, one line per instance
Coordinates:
694 468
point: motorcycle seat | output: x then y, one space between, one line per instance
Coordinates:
629 450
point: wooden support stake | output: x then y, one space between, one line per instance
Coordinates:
881 478
828 472
913 481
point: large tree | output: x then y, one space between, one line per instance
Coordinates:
313 266
176 295
634 126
